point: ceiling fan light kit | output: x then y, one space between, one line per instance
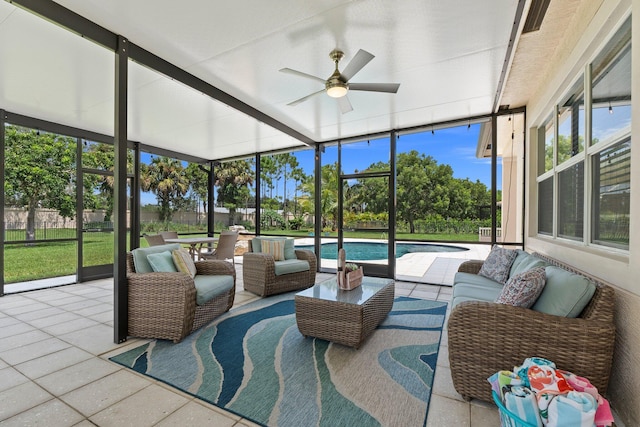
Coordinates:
337 86
337 90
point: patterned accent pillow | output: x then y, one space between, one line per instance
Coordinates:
523 289
183 261
275 248
161 262
498 264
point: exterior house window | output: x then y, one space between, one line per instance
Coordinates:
591 199
610 145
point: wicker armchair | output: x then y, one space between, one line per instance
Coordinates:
487 337
259 275
163 305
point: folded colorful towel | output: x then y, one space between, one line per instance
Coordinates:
604 417
522 370
495 386
545 379
544 399
506 378
574 409
522 402
579 383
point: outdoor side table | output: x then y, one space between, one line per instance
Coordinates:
344 317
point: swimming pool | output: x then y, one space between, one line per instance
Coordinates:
366 251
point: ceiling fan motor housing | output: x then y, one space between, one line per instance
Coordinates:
336 87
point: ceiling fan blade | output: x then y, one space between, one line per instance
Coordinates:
304 98
301 74
361 59
345 104
375 87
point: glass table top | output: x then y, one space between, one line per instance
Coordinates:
329 291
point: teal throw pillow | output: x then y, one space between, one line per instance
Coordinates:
565 294
162 262
289 249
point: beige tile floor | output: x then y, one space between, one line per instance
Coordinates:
54 367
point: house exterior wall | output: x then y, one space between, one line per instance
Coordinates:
595 23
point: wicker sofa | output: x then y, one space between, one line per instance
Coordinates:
167 305
485 337
264 276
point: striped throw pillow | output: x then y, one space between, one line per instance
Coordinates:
183 261
275 248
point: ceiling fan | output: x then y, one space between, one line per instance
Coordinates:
337 85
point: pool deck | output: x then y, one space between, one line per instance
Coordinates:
436 268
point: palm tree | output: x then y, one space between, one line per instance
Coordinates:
230 178
165 178
328 195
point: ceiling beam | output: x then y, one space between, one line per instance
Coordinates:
508 56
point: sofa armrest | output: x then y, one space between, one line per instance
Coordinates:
486 337
472 266
214 267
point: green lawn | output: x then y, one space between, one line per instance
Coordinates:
52 259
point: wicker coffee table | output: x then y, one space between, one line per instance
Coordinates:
344 317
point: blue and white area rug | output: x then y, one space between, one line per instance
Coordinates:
254 362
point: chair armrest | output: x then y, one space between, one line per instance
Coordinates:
258 263
161 305
472 266
213 267
309 256
486 337
169 282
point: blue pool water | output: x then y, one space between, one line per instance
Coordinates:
365 251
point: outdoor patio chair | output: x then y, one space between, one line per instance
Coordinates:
171 305
225 249
154 239
264 276
169 234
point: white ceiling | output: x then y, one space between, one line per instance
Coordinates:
447 56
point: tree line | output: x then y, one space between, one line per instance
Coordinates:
40 172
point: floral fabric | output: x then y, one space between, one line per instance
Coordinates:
498 264
522 290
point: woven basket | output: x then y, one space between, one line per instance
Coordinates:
350 280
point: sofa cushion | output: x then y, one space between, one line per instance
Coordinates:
183 261
523 289
565 294
291 266
140 262
497 266
274 248
525 261
457 300
211 286
474 279
478 292
162 262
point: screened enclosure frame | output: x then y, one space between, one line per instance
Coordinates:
126 51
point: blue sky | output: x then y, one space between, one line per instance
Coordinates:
453 146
